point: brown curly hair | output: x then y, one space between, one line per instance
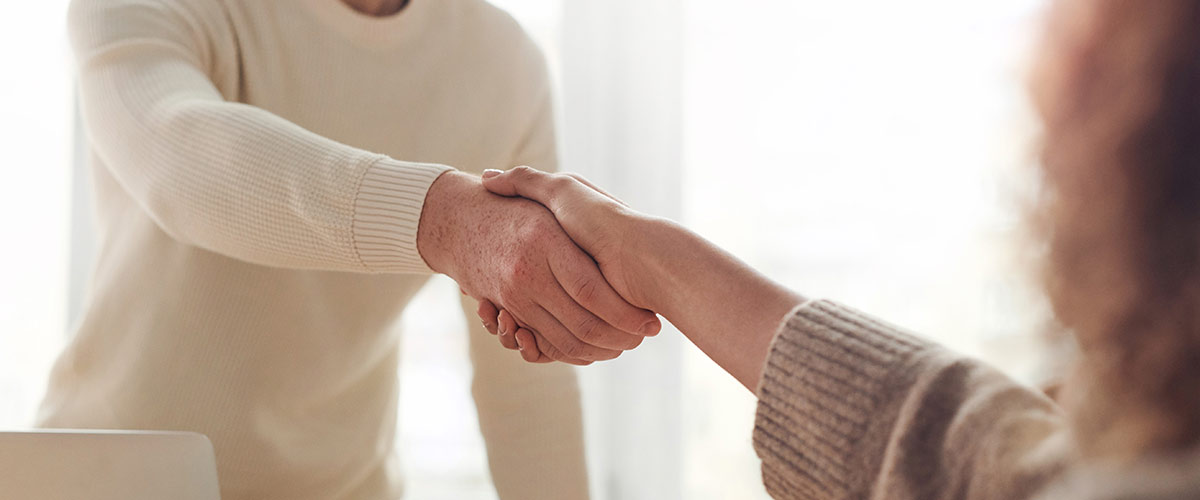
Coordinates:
1118 88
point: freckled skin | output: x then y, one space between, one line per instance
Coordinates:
513 252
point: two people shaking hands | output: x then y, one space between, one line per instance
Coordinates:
593 294
273 185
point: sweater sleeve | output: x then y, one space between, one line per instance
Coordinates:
850 407
228 177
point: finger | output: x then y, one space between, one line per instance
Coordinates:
506 326
545 323
552 353
528 347
594 187
578 275
522 181
487 315
547 352
586 326
510 323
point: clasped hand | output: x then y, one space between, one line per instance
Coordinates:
511 254
597 222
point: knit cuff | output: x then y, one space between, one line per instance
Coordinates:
387 211
825 381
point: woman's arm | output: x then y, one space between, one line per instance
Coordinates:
725 307
849 406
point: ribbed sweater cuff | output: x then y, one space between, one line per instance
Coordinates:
387 211
825 380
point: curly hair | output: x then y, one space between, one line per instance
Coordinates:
1119 94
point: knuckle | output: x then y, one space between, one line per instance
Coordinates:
584 289
515 278
559 182
532 234
588 328
517 269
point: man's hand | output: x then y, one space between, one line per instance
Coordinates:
599 223
512 252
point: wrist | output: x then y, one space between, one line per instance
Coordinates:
440 230
677 270
655 246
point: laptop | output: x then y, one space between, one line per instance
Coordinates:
107 465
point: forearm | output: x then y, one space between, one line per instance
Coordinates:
725 307
238 180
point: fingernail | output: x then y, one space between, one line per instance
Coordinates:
500 328
491 172
520 346
651 328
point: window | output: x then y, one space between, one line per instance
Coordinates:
868 151
35 204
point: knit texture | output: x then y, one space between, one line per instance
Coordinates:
259 170
851 407
386 219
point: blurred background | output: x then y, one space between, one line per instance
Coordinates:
869 151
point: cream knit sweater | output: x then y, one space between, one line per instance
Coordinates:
260 168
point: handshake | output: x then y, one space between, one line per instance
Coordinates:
553 261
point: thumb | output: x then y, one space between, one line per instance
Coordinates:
496 182
520 181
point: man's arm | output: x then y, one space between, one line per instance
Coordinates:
224 176
242 182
